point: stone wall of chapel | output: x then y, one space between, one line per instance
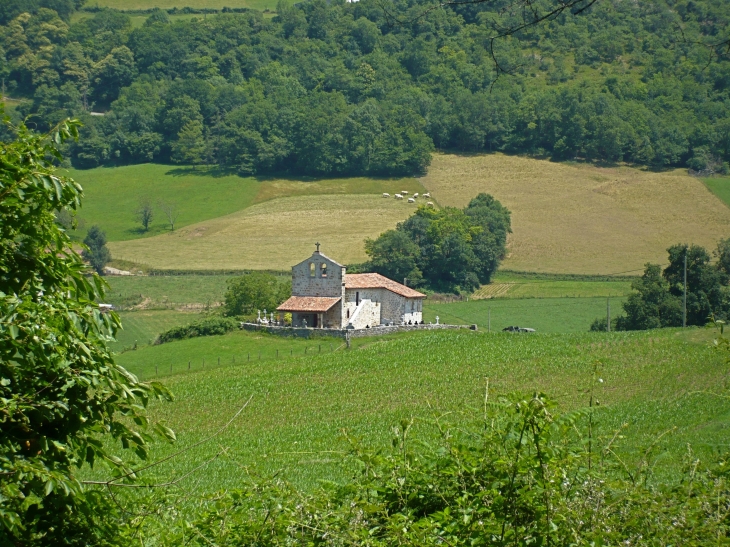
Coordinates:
306 284
393 307
333 317
374 295
369 315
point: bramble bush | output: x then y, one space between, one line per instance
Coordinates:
209 326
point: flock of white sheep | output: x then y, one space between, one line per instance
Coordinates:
403 194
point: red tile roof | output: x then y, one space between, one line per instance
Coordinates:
311 304
377 281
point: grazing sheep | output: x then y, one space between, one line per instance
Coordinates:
415 195
404 192
427 195
398 196
430 204
411 200
386 195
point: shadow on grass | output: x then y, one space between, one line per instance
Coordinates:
215 171
566 161
202 171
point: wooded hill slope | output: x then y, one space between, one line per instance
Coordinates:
344 89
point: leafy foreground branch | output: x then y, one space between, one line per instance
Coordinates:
62 397
519 474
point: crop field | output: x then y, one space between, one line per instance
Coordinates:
654 384
209 352
580 218
543 314
273 235
720 186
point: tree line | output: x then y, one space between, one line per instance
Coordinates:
342 89
658 299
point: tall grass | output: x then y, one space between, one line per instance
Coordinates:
653 381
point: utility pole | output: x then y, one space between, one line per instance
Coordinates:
684 315
608 314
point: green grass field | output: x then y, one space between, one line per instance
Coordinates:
166 291
237 348
514 286
543 314
720 186
112 196
652 382
142 327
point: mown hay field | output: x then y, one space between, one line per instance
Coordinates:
583 219
653 382
273 235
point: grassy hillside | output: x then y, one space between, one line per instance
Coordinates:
580 218
652 382
166 291
720 186
140 328
272 235
566 218
112 195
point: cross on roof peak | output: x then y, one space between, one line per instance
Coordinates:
317 244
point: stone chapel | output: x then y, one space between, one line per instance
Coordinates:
325 296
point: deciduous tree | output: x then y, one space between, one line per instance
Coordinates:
97 253
62 397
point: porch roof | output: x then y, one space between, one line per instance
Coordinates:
309 304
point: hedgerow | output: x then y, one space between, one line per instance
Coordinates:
209 326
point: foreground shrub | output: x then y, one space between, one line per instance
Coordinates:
516 475
63 400
210 326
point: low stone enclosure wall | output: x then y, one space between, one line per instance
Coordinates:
347 333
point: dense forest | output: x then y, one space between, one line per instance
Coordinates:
348 88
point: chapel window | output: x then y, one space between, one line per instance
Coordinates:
324 270
311 269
